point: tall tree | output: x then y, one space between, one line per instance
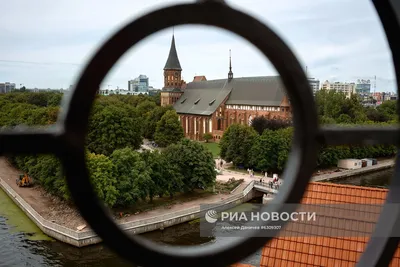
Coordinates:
151 119
102 176
133 179
169 130
236 144
195 163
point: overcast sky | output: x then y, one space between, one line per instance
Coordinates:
45 43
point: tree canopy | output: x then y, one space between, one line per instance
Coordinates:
169 130
121 176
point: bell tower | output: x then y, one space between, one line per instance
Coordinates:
173 83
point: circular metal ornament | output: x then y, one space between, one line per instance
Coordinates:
301 161
384 241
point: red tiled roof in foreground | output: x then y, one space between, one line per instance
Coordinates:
308 251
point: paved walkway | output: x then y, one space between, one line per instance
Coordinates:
383 164
247 179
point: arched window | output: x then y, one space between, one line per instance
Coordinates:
219 125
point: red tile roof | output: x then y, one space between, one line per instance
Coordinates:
311 250
199 78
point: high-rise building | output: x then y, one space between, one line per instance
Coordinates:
314 84
139 85
363 87
347 88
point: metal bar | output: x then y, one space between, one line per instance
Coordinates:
359 135
380 250
32 141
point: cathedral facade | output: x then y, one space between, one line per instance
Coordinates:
211 106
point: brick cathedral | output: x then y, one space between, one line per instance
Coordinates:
211 106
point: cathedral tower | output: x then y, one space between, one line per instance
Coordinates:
173 82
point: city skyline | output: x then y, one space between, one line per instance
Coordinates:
49 50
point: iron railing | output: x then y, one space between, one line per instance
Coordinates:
67 140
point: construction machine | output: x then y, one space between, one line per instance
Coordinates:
24 180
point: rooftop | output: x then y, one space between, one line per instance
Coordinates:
173 60
308 251
257 91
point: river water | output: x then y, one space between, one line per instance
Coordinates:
23 244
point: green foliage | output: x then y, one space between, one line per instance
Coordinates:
133 178
236 144
169 130
262 123
151 118
46 171
114 127
388 109
101 170
156 165
120 175
195 164
207 137
270 151
333 107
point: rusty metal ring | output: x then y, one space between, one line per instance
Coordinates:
301 161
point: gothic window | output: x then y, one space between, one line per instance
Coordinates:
219 125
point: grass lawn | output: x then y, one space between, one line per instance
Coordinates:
213 147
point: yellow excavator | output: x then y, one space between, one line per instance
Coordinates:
24 180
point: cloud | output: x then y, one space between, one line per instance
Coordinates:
46 44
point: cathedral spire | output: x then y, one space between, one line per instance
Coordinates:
230 73
173 60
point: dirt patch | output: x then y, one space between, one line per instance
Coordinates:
64 213
50 207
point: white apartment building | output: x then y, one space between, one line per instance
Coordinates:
347 88
119 92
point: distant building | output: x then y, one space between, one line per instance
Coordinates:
386 96
139 85
117 91
347 88
6 87
314 84
153 91
363 87
377 96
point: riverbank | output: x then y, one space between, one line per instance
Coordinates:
59 220
333 176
